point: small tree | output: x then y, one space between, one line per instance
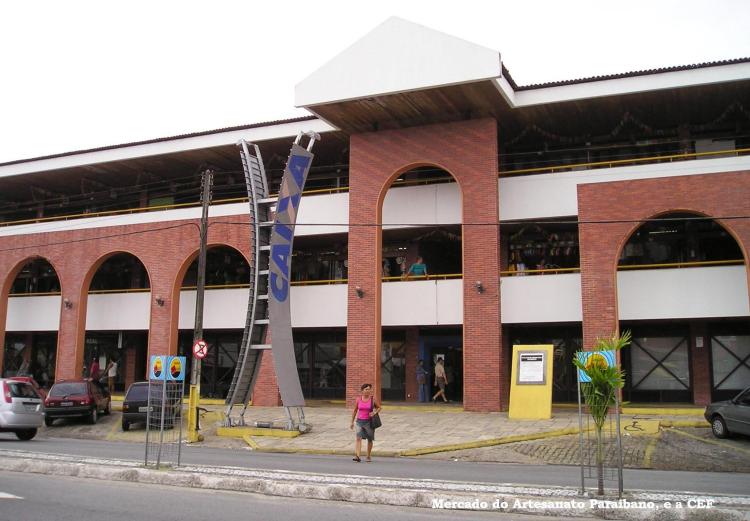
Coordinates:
600 393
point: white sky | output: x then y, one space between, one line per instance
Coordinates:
77 74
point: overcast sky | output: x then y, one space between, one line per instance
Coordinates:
77 75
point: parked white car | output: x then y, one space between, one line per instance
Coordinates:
21 409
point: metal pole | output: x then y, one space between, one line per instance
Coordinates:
580 433
195 374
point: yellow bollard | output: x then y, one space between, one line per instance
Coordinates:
192 429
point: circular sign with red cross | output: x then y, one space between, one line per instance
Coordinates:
200 349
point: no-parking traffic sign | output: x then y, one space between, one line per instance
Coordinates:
200 349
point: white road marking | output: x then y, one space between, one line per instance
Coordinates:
3 495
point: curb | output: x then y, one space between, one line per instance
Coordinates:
551 501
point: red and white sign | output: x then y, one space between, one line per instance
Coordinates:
200 349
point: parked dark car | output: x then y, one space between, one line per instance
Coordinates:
730 416
76 398
21 409
29 380
135 407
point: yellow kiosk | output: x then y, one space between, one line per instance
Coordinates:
531 383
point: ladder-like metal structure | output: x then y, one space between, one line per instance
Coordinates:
256 326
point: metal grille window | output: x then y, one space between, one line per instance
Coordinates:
730 355
660 364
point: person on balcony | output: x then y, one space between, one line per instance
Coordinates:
418 269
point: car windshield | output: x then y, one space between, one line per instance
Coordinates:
22 390
137 393
66 389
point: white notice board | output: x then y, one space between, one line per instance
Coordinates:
532 368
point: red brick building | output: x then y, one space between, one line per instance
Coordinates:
551 213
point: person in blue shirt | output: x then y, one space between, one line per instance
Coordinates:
419 268
422 376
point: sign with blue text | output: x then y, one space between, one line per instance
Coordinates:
282 238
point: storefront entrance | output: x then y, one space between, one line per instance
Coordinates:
449 348
31 354
566 341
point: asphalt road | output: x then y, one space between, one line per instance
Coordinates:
27 497
497 473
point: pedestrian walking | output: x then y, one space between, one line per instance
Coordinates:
94 369
364 409
440 381
422 376
111 372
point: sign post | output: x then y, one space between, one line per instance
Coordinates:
531 382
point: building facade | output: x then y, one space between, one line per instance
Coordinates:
553 213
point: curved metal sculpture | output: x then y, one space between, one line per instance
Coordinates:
269 287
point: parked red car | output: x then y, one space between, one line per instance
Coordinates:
76 398
29 380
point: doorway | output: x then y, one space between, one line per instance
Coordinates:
449 348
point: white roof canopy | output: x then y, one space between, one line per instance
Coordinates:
397 56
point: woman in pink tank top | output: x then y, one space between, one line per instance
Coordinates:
364 409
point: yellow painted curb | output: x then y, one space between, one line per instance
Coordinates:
712 442
241 432
203 401
664 411
251 442
489 443
423 408
684 423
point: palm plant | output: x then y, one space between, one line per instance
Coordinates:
601 392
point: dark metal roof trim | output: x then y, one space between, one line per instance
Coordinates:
161 139
507 76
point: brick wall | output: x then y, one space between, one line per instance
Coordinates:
468 150
166 250
713 195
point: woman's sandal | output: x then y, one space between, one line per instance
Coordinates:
356 458
368 460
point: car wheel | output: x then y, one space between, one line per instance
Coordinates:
26 434
125 425
48 421
93 416
719 427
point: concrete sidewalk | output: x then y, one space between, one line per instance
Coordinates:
413 430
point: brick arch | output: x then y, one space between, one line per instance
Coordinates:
104 257
468 151
406 168
232 236
15 264
726 225
610 212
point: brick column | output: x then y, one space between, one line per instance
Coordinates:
128 365
468 151
411 352
266 390
6 280
700 363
